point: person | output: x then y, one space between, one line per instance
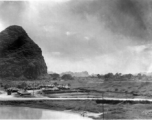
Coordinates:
8 92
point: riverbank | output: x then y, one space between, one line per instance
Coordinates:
91 108
120 110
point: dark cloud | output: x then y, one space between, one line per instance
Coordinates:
130 18
126 17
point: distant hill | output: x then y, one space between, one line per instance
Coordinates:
76 74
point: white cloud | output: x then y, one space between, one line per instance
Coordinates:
68 33
56 53
87 38
134 59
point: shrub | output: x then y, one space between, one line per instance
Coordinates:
22 85
55 76
67 77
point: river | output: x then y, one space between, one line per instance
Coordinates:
9 112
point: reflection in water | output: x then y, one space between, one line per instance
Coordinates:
33 113
19 113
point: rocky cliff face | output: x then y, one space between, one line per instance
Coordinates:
19 55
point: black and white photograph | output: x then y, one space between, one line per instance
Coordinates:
75 59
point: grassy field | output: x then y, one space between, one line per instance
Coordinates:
110 88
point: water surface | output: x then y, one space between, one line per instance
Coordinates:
34 113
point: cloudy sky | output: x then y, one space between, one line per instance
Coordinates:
98 36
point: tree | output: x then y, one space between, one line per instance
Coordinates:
98 75
23 85
55 83
139 75
126 77
55 76
108 76
6 86
67 77
118 75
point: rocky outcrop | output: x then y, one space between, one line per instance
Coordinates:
20 57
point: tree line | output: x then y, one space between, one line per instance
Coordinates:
56 76
123 77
